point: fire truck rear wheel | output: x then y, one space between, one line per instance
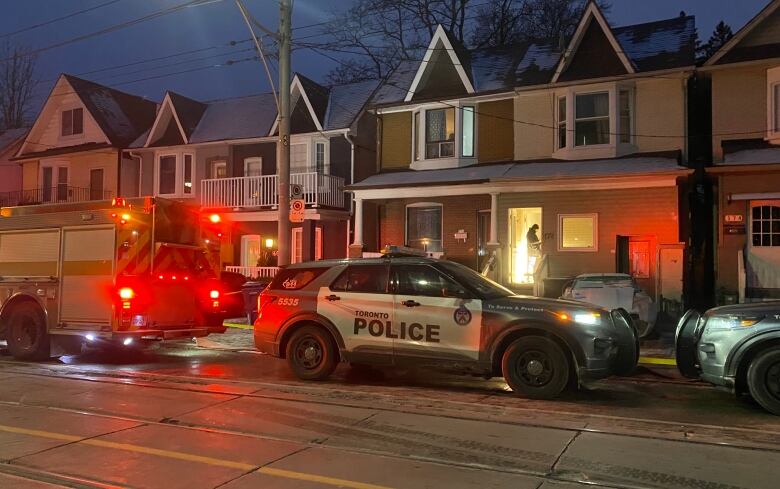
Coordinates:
27 336
311 353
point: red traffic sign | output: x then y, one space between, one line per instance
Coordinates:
297 206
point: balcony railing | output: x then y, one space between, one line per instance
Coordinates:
318 191
52 195
254 272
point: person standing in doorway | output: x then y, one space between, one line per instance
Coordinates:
534 250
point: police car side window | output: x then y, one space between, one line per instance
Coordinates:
425 281
370 279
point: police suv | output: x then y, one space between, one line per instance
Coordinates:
401 309
735 347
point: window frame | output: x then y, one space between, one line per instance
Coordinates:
472 108
253 159
619 117
441 223
179 177
453 141
184 182
590 249
213 165
608 117
325 158
72 134
773 103
758 204
562 124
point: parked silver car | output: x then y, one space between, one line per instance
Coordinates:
613 291
735 347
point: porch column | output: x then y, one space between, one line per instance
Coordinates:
493 238
358 239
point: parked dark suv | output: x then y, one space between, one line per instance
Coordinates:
414 310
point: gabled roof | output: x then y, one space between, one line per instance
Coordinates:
733 51
457 55
592 14
188 112
121 116
317 96
651 46
236 118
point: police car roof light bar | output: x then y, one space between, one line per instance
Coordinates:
398 251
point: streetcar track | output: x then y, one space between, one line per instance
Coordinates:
681 429
439 448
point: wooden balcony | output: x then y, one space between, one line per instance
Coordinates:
257 192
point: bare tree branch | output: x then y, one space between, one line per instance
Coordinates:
17 81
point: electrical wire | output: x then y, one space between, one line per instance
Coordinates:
58 19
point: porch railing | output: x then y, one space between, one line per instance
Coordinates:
254 272
262 191
52 195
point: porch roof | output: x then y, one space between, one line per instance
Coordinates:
526 170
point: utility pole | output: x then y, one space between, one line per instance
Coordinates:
283 148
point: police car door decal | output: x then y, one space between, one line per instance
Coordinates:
444 327
363 319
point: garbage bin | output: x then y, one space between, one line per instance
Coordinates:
250 291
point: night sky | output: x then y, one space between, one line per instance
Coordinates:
218 23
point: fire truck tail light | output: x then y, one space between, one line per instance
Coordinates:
126 293
215 218
214 294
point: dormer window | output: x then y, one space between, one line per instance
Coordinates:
72 122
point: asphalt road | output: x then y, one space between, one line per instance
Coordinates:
193 417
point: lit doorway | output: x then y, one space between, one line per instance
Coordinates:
525 234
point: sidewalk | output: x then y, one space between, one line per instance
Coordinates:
238 336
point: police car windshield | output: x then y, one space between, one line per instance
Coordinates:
482 286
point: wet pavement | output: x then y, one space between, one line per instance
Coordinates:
219 415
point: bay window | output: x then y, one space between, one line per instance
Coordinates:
467 130
591 119
624 115
175 174
561 122
773 104
440 133
424 226
320 158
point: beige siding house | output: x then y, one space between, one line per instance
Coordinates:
73 151
581 146
745 78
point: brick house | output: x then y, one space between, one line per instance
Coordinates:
745 80
585 140
221 155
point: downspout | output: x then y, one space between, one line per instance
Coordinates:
118 173
350 139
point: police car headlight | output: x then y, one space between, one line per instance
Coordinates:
587 318
732 322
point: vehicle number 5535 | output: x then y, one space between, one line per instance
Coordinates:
288 301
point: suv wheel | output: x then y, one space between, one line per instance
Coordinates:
763 378
27 336
311 353
535 367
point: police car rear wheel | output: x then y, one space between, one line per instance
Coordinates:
535 367
763 379
27 336
311 353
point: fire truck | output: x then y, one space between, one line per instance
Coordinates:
123 272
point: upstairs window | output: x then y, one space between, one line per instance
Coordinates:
440 133
72 122
624 115
561 122
320 158
591 119
167 175
773 103
467 138
188 174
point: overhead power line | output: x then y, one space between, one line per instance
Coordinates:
58 19
117 27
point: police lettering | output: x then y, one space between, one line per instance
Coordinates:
414 331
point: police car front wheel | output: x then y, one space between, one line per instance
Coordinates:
311 353
535 367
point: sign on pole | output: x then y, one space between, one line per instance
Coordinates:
297 207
